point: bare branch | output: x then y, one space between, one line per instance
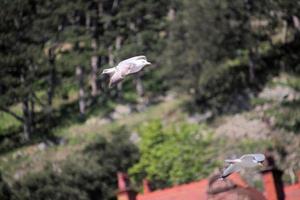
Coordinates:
6 110
38 100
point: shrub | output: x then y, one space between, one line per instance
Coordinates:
173 155
88 176
5 191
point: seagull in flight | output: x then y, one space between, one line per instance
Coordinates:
124 68
246 161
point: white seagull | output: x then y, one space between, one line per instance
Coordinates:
124 68
246 161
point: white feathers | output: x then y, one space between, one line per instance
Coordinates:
246 161
126 67
230 169
109 70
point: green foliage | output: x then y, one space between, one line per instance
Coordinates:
207 47
44 41
175 154
288 80
5 191
118 153
7 122
92 175
287 115
259 101
246 145
224 50
50 185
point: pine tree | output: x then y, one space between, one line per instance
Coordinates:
19 43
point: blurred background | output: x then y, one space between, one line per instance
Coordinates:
225 80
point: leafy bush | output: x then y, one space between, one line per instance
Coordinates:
5 191
50 185
89 176
287 116
173 155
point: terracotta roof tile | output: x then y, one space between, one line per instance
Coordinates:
198 191
292 192
192 191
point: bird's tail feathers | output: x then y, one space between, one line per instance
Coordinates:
109 71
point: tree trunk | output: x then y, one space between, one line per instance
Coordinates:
285 32
251 65
110 57
80 78
100 9
32 112
139 86
119 40
171 14
94 64
95 87
26 117
118 44
26 114
296 22
115 4
51 80
51 84
87 21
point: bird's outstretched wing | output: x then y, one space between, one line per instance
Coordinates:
122 70
133 58
115 78
251 157
230 169
126 68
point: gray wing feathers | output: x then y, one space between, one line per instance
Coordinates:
115 78
133 58
126 68
230 169
229 161
251 157
123 69
120 73
109 71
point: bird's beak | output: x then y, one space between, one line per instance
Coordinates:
260 164
148 63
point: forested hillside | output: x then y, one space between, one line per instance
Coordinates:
214 64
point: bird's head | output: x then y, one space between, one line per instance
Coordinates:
260 162
143 62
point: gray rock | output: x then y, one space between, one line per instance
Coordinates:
134 137
42 146
198 118
279 93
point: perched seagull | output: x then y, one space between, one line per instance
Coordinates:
246 161
124 68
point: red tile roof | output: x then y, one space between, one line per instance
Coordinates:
238 193
292 192
198 191
191 191
213 189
